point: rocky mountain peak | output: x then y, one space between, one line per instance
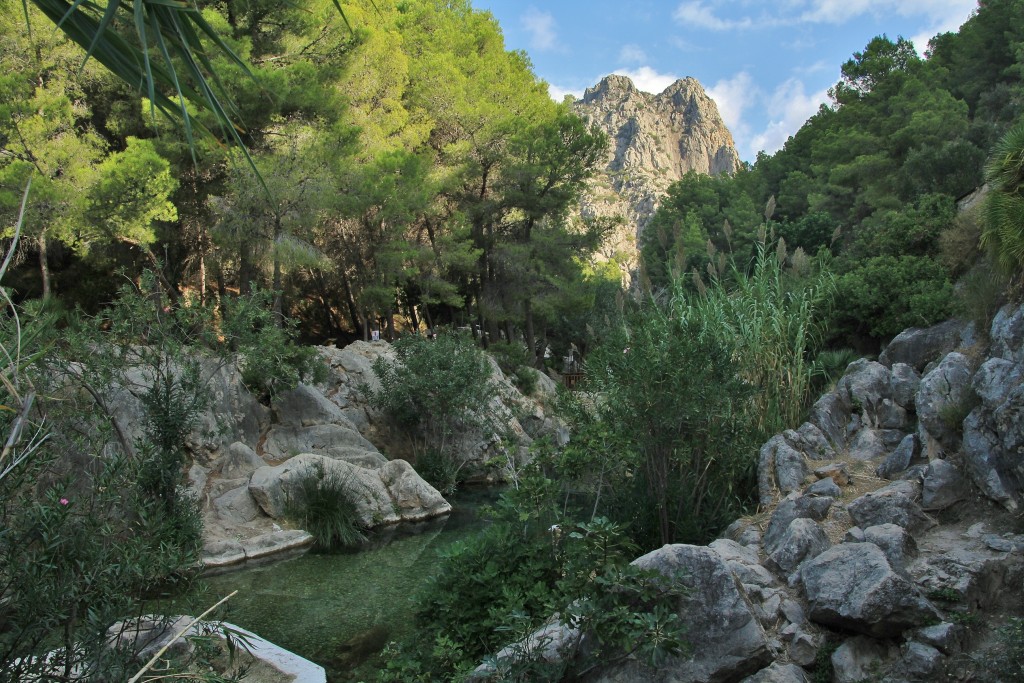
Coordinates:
655 141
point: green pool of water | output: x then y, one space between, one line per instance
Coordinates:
340 609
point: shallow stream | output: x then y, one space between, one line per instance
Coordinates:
340 609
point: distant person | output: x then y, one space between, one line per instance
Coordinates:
374 335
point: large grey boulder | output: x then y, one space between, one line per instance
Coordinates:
993 441
942 395
943 485
905 383
859 659
381 496
852 586
802 540
918 347
727 641
831 415
899 546
743 562
899 460
236 506
239 461
781 469
282 442
895 503
865 386
304 406
783 461
811 507
1007 333
868 444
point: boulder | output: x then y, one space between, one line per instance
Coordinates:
993 440
943 485
946 637
837 471
942 396
859 659
1007 334
780 469
894 503
802 540
812 507
779 673
831 414
899 460
811 441
239 461
852 586
413 497
918 347
899 546
918 662
382 496
865 386
743 562
283 442
826 487
304 406
236 506
727 641
868 444
891 415
905 383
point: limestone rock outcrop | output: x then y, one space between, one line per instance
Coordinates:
655 141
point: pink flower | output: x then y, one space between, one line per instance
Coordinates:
625 350
64 501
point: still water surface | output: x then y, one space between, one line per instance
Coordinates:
340 609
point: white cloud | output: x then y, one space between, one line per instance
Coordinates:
647 79
541 27
632 54
948 13
732 96
788 108
698 15
558 93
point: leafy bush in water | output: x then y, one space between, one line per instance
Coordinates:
437 392
321 504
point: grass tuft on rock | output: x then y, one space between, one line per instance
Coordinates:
321 504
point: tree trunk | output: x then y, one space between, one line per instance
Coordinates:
531 342
44 266
353 310
278 288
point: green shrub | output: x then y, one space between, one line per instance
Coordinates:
321 504
883 296
498 587
271 361
437 393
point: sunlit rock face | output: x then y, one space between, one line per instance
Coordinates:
654 141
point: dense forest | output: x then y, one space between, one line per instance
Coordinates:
399 168
874 177
403 163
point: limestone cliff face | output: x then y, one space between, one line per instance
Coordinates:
655 140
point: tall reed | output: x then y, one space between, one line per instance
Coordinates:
775 324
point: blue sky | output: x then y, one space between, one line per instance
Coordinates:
768 65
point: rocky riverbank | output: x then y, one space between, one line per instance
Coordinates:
889 546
